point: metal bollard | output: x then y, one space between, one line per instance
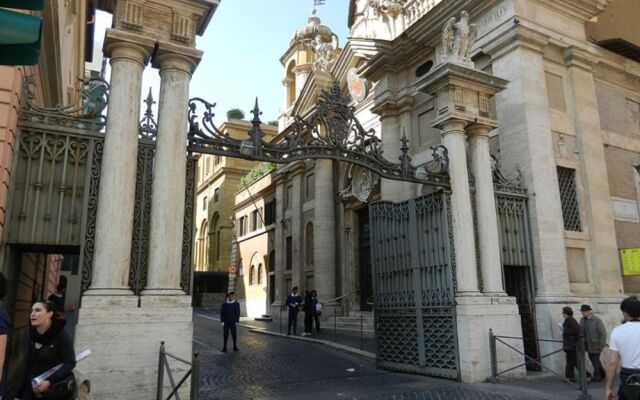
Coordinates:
195 377
361 332
582 370
160 372
494 358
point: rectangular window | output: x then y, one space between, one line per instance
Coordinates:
270 213
204 202
309 187
289 253
288 196
216 195
207 166
569 199
216 160
254 220
241 229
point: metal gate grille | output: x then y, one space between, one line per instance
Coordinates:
413 286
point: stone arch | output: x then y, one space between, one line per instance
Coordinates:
215 236
290 83
203 241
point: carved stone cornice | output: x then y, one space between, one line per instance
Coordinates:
462 93
175 20
583 10
579 58
517 36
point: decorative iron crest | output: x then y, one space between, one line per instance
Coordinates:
86 113
330 131
502 183
148 127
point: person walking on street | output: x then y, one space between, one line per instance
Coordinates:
308 309
230 316
625 350
317 310
595 338
293 302
570 337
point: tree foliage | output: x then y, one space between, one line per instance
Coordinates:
256 173
235 113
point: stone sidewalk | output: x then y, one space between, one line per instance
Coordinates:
278 367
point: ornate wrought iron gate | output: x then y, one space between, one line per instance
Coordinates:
513 226
54 188
413 280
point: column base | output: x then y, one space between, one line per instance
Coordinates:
475 315
108 292
162 292
125 342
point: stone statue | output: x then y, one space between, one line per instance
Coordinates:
324 53
391 8
457 40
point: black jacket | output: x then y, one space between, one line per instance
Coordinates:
46 351
570 334
230 312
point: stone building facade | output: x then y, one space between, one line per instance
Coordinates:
217 181
566 124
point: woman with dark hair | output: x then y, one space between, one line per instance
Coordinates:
570 337
5 326
308 308
49 346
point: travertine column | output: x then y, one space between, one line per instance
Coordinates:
167 205
324 250
487 219
114 224
453 138
279 245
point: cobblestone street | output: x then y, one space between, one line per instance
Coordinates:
268 367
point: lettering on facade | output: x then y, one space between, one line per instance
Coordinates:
625 209
493 18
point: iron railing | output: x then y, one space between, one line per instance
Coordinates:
582 370
193 373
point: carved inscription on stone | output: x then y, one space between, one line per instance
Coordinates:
625 209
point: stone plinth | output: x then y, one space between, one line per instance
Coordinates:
474 317
125 341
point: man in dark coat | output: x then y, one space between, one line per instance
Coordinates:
595 338
293 302
230 316
570 337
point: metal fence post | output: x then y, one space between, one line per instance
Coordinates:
335 326
160 372
195 377
582 370
361 331
494 357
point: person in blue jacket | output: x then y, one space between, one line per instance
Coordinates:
293 303
230 316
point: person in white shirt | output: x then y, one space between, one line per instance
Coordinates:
625 350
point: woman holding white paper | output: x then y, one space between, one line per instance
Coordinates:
49 346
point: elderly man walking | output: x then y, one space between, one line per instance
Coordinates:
625 350
595 338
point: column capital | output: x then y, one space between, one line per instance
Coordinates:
171 56
479 130
119 44
518 36
451 125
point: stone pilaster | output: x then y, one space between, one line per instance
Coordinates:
583 108
280 242
486 217
324 249
167 205
114 225
453 138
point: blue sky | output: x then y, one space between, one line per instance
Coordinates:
242 47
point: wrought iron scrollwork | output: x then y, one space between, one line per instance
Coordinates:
86 113
502 183
331 131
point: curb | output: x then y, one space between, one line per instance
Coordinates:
337 346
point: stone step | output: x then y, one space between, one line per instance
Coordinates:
264 317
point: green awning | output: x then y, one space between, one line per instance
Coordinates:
23 4
19 38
